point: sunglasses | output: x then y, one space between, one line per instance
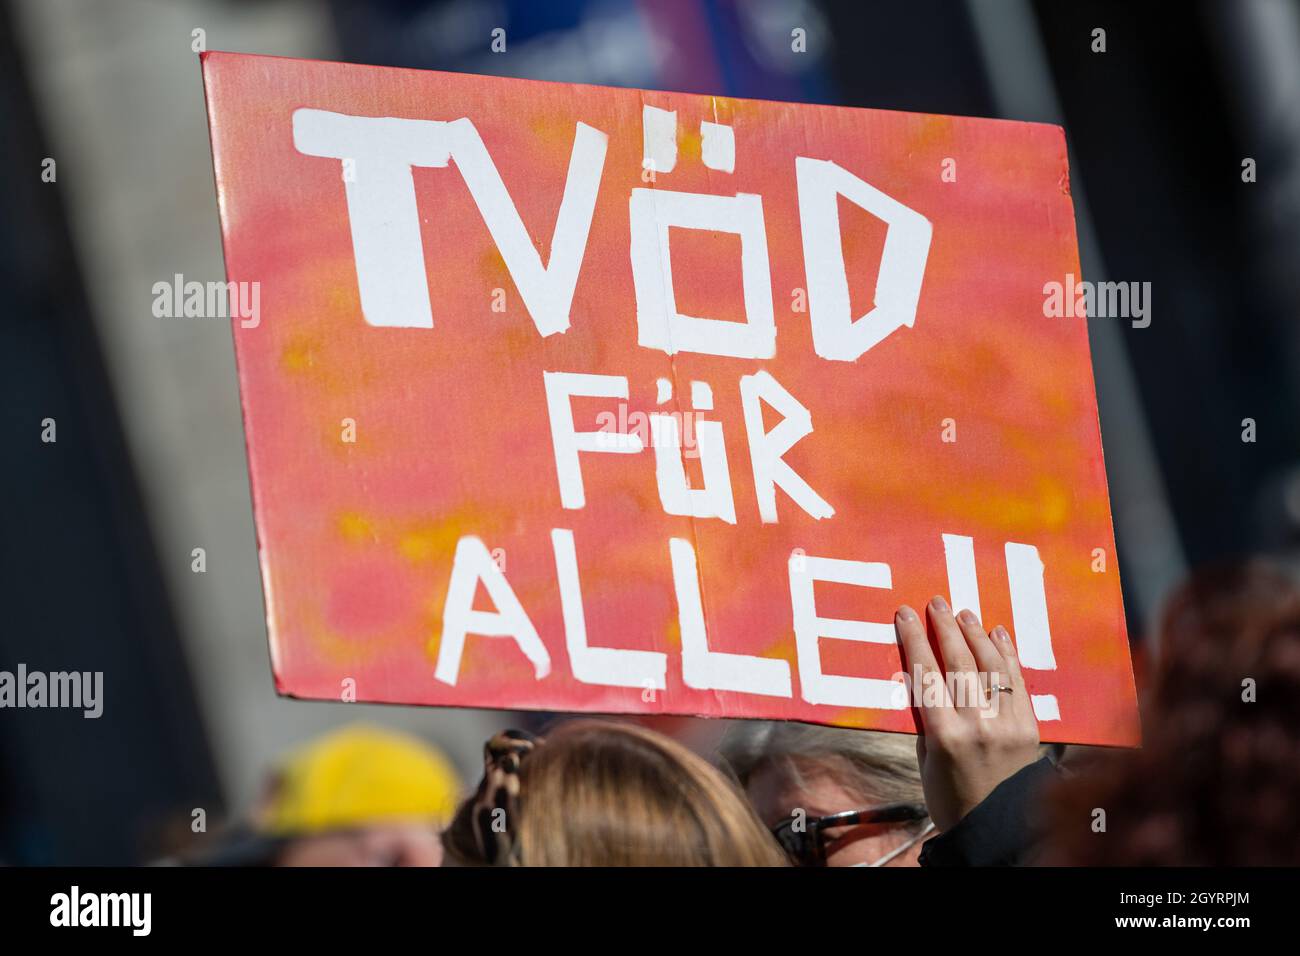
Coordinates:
806 845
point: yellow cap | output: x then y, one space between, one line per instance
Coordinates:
361 775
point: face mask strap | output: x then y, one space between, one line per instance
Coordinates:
896 851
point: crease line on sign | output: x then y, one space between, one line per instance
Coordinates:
668 298
693 522
715 187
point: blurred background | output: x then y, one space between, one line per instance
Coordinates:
98 530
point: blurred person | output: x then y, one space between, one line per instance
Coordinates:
359 796
1214 784
1217 780
600 793
832 796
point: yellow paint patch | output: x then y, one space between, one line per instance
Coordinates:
356 527
431 541
673 632
689 144
298 356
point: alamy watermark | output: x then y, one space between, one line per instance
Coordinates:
1098 300
179 299
76 690
979 689
636 430
75 908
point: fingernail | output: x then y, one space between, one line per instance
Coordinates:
1001 634
938 603
967 617
905 613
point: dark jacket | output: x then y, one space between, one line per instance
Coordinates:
1003 830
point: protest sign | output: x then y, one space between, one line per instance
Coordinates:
589 399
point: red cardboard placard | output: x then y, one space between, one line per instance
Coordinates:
591 399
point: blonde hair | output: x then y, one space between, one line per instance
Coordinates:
600 793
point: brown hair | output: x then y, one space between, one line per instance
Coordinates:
600 793
1218 779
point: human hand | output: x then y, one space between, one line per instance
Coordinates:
977 722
